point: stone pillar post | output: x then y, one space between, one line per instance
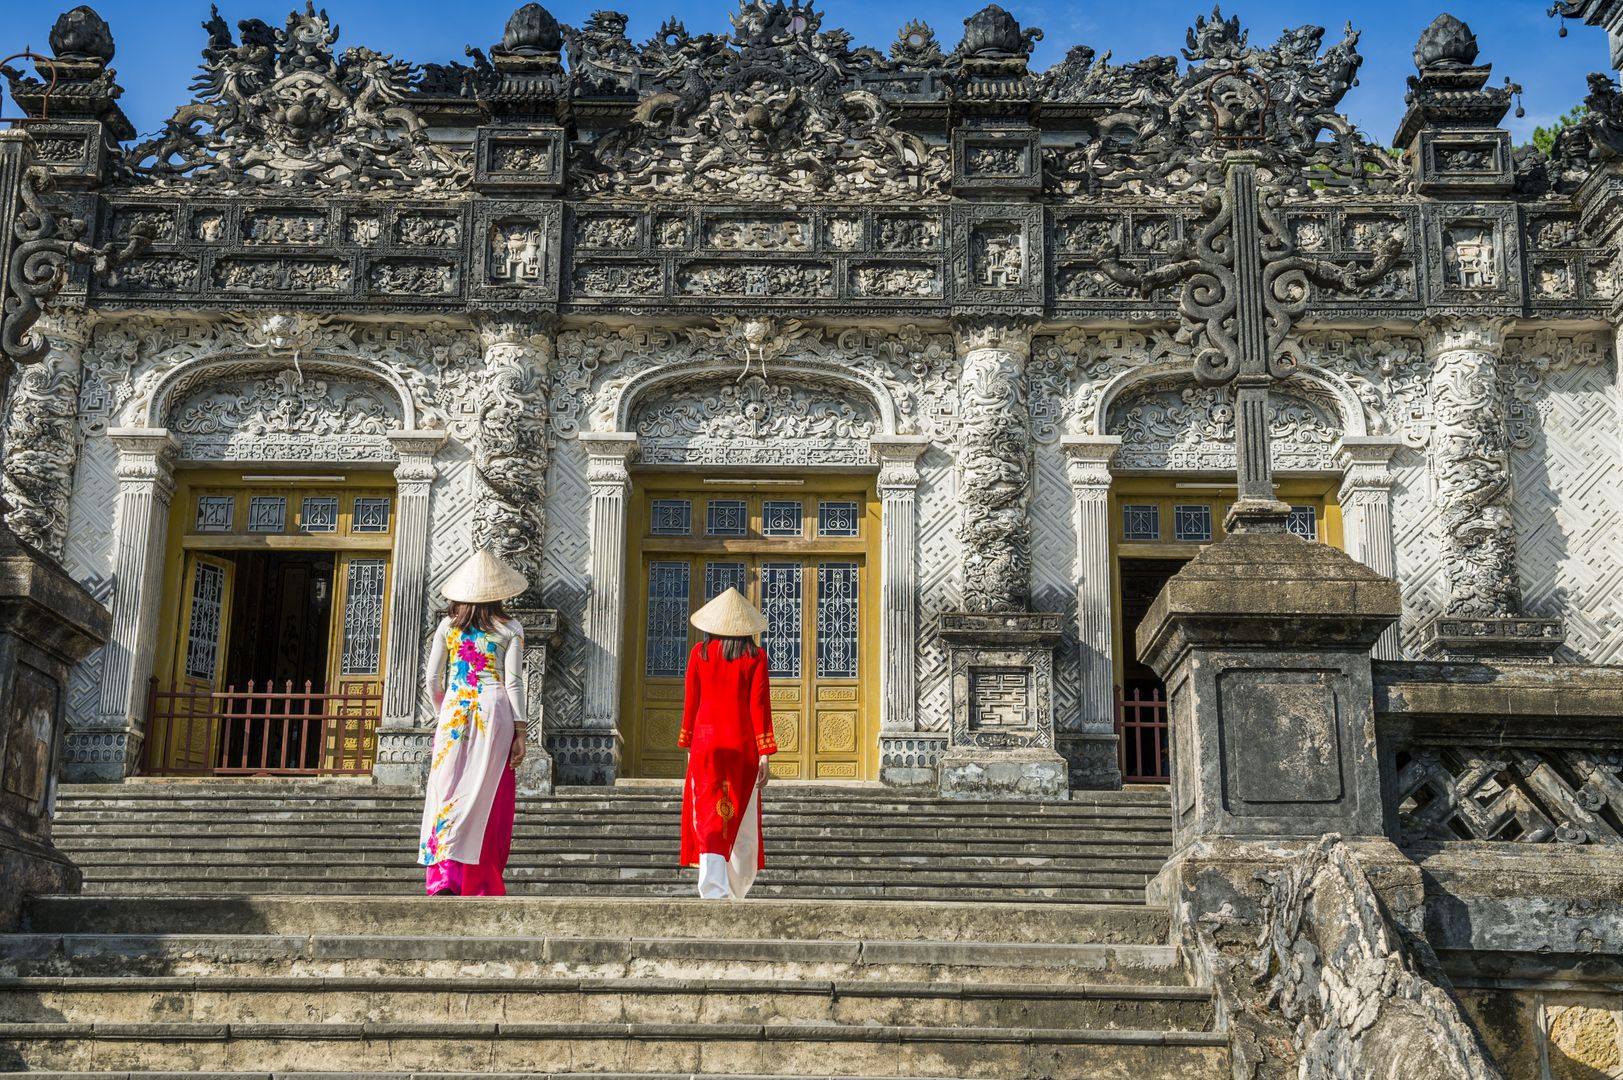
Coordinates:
510 459
1096 761
42 438
1365 498
595 757
403 742
1001 653
900 762
1470 470
110 748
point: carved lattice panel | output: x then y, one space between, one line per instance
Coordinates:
88 556
1053 557
563 575
450 512
1569 511
1509 793
939 586
1418 555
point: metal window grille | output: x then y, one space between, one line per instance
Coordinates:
1192 524
667 628
203 631
781 518
319 514
837 599
1304 522
726 517
267 514
1140 521
363 617
781 604
214 513
721 576
836 518
671 517
371 515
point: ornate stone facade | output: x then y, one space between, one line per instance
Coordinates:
523 280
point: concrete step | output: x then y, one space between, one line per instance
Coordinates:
786 1049
380 999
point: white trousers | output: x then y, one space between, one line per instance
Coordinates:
730 878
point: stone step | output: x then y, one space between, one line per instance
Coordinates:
555 889
139 841
320 956
378 999
787 1049
788 920
393 856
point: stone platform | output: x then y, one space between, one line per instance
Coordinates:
929 939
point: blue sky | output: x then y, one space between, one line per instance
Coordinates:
158 42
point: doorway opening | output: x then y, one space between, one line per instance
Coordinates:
273 665
1141 699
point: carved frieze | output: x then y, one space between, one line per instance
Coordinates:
790 420
285 416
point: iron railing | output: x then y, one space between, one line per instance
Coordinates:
262 731
1142 734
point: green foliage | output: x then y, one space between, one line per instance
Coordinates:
1544 137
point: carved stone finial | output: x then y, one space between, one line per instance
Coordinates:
82 34
532 31
1447 42
993 33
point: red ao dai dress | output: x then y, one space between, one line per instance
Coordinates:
727 727
476 681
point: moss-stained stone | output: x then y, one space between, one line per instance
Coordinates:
1585 1041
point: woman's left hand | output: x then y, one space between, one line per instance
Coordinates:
763 773
515 757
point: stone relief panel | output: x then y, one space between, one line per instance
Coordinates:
286 416
910 374
452 500
1565 435
87 555
1173 424
785 422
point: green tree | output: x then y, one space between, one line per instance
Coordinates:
1544 137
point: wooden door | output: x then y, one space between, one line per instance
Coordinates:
355 660
190 738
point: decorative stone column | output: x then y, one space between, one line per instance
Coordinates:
592 754
403 743
1096 760
1365 499
42 438
109 747
1470 470
510 459
1001 653
904 758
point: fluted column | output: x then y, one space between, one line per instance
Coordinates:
111 749
42 438
1366 514
1087 464
1470 468
898 457
403 743
608 476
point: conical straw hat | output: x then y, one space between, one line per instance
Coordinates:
730 615
482 579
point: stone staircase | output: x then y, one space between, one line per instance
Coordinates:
206 943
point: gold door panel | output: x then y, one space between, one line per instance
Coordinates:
803 558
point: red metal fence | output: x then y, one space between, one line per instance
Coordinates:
262 731
1142 732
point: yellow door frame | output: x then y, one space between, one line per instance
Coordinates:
184 541
1169 490
752 550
